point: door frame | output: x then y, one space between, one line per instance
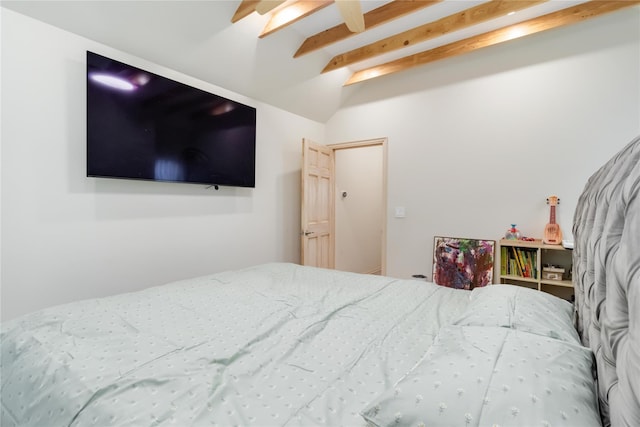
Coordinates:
360 144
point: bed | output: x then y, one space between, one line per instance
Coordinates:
284 345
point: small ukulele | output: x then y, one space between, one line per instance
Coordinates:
552 232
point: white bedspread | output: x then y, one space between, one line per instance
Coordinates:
276 344
284 345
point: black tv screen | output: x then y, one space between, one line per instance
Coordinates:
144 126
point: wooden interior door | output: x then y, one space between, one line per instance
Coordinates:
317 205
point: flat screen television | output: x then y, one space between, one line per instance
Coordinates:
144 126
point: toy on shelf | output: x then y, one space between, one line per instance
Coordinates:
552 232
512 233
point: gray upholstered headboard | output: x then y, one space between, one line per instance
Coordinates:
606 272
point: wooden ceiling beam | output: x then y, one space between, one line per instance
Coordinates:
292 13
458 21
351 12
381 15
266 6
557 19
246 8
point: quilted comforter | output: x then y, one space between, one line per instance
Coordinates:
281 344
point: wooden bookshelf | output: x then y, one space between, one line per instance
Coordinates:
521 263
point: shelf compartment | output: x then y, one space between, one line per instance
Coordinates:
519 278
563 283
564 292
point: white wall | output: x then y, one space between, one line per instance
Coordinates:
479 141
67 237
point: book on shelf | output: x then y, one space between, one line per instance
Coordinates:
504 259
519 270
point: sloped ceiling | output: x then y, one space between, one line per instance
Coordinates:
198 38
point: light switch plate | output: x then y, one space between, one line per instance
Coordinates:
400 212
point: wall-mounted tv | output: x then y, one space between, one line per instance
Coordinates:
144 126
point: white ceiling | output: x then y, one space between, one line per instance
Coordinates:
197 38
